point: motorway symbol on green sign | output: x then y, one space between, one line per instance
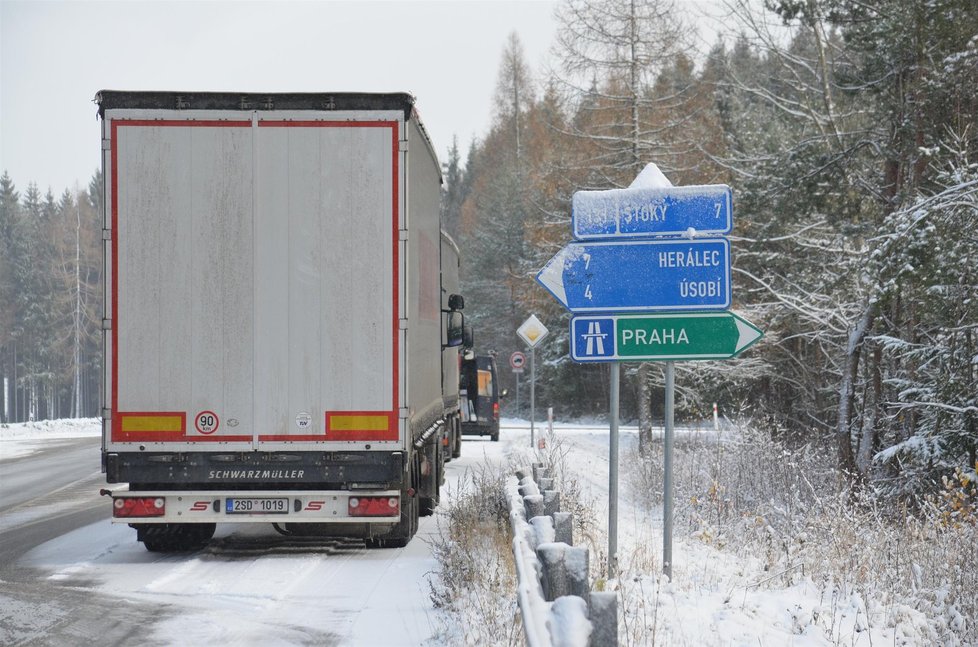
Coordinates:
640 338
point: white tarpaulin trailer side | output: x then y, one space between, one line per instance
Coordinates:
256 278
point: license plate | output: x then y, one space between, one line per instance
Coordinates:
256 506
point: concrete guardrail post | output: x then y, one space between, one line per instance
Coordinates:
551 502
563 570
533 505
564 527
603 614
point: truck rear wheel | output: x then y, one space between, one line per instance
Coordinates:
401 534
428 506
429 503
457 449
456 438
174 537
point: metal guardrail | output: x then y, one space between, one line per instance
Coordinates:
553 590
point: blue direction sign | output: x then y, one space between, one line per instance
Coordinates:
650 212
646 276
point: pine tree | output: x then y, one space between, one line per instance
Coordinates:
495 211
835 144
453 191
9 305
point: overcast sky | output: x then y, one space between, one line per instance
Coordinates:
55 55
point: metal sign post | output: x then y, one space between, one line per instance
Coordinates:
517 360
517 372
613 407
532 331
533 395
667 489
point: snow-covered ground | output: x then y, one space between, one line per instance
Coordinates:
235 592
23 439
249 587
715 597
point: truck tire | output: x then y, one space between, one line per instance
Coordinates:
401 534
457 438
429 503
174 537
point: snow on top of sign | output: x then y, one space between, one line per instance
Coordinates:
650 178
642 208
611 197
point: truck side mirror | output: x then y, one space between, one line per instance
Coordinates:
456 302
456 329
468 338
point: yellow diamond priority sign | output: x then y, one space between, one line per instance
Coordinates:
532 331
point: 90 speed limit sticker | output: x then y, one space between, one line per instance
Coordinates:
207 422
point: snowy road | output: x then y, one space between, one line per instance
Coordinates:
69 575
48 493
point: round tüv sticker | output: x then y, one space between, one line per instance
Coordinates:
303 420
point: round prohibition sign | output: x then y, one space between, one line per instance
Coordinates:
207 422
517 360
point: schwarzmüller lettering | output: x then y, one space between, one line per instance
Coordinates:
255 474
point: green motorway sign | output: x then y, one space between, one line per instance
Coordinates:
640 338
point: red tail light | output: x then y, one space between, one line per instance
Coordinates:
139 507
495 411
374 506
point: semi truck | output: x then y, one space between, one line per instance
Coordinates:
282 319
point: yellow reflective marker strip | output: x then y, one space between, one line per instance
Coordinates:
169 422
358 422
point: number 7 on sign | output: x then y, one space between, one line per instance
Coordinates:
587 265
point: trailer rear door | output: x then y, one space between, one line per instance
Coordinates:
254 279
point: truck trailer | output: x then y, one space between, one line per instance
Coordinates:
282 322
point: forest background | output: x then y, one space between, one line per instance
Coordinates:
849 133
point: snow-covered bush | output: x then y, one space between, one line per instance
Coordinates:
750 494
476 577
